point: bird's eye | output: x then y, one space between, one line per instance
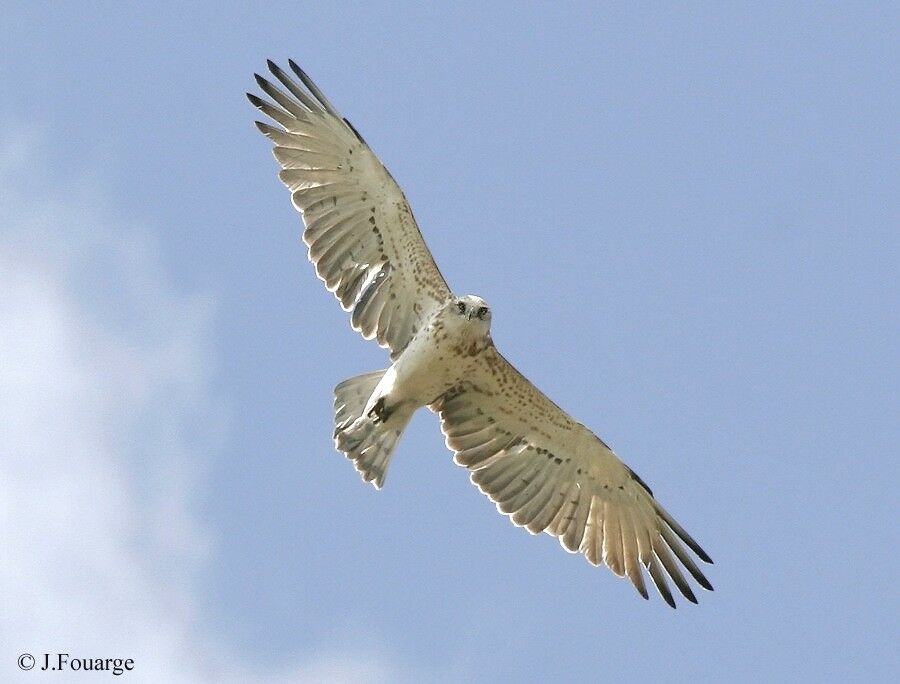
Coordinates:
482 311
461 306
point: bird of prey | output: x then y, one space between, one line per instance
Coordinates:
542 468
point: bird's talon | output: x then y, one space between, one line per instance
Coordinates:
379 412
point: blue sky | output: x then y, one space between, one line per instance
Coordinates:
685 220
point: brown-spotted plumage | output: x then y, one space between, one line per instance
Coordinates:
545 470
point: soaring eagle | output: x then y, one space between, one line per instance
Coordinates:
543 469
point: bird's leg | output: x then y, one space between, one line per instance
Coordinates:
380 412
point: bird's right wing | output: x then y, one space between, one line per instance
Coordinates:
549 473
360 230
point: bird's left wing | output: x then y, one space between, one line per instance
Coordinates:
360 230
550 473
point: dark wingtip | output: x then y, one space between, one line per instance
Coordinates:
297 70
687 593
264 128
702 555
274 68
254 100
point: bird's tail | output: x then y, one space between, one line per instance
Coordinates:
366 438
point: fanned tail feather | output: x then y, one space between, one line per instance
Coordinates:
364 439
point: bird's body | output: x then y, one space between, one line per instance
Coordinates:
439 357
544 469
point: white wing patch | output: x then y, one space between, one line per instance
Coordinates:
549 473
360 230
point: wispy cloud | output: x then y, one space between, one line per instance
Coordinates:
107 424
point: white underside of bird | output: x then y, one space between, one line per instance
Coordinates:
438 358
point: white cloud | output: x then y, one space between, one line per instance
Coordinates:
104 381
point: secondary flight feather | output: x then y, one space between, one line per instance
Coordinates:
542 468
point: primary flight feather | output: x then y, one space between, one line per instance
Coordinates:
542 468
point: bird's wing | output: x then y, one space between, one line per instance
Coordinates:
550 473
360 230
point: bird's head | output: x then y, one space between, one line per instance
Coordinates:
474 309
